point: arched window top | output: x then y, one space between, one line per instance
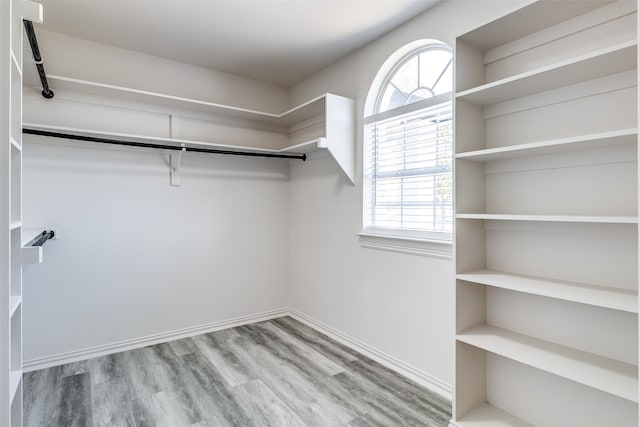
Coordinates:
408 145
421 74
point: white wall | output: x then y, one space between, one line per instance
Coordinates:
164 258
400 304
87 60
135 256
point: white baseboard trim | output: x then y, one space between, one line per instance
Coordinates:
102 350
390 362
434 384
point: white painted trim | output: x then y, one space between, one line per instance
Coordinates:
102 350
406 245
434 384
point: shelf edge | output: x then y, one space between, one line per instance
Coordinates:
552 218
475 276
557 353
177 142
541 71
15 378
540 145
14 303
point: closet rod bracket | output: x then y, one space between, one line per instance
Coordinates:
175 159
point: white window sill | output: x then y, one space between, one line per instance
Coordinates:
407 245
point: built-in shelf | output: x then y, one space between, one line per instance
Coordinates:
584 142
15 63
15 377
302 148
608 375
522 21
553 218
15 224
600 63
31 254
15 144
310 109
486 415
30 233
600 296
14 303
324 123
546 184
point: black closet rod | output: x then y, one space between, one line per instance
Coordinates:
33 41
302 157
42 238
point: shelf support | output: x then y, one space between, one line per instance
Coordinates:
175 159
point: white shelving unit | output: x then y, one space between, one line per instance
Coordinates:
326 123
546 251
11 14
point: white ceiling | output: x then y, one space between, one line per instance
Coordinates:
279 41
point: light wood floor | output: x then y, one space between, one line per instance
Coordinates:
274 373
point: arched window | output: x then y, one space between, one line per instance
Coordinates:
408 145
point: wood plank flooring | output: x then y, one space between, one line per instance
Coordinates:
274 373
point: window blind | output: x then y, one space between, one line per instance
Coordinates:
407 170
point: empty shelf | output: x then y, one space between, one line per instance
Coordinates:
617 299
608 375
486 415
553 218
584 142
14 383
616 59
14 303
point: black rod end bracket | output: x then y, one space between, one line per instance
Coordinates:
47 93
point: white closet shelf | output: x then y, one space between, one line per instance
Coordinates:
583 142
15 377
30 233
608 375
600 296
310 109
15 224
303 148
15 144
553 218
527 19
31 254
600 63
15 63
486 415
14 303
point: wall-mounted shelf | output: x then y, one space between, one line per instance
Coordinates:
15 377
562 145
16 146
12 14
552 218
615 59
14 303
599 296
546 198
303 148
16 64
32 254
324 123
307 110
486 415
611 376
